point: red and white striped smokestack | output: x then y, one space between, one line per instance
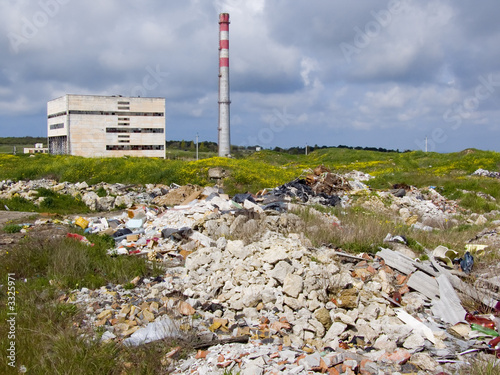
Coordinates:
224 138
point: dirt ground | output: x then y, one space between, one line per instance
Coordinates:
15 216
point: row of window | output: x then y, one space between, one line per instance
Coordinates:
64 113
105 113
134 130
134 147
56 126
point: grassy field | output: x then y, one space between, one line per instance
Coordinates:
47 269
9 149
267 169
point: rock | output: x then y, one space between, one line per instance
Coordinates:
281 270
221 243
399 356
149 316
293 303
176 196
237 249
90 199
424 361
414 341
186 309
323 316
124 201
481 220
274 255
348 298
385 343
293 285
335 331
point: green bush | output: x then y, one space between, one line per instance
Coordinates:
12 228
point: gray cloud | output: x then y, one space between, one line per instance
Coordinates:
382 73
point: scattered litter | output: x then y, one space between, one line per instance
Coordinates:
444 254
467 262
80 238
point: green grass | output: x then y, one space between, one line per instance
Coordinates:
52 202
482 365
267 168
12 228
46 339
45 269
73 264
362 230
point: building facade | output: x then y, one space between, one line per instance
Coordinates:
106 126
38 149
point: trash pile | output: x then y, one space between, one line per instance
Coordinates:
486 173
260 299
321 186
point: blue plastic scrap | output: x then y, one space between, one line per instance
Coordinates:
467 262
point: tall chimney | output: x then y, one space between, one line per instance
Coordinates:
224 138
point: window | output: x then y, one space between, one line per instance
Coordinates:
134 130
105 113
64 113
134 147
57 126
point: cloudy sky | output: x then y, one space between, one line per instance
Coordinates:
327 72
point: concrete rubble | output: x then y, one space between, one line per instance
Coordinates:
242 269
486 173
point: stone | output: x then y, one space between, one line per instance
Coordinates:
335 331
414 341
106 314
237 249
424 361
274 254
311 360
323 316
399 356
186 309
385 343
123 201
148 315
252 369
367 332
293 303
293 285
348 298
221 243
319 329
281 270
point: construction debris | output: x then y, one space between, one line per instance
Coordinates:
260 299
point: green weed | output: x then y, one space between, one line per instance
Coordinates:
12 228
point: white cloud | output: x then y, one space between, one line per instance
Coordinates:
284 56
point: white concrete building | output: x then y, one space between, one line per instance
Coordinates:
106 126
38 149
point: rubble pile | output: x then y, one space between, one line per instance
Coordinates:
422 209
486 173
117 195
260 299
